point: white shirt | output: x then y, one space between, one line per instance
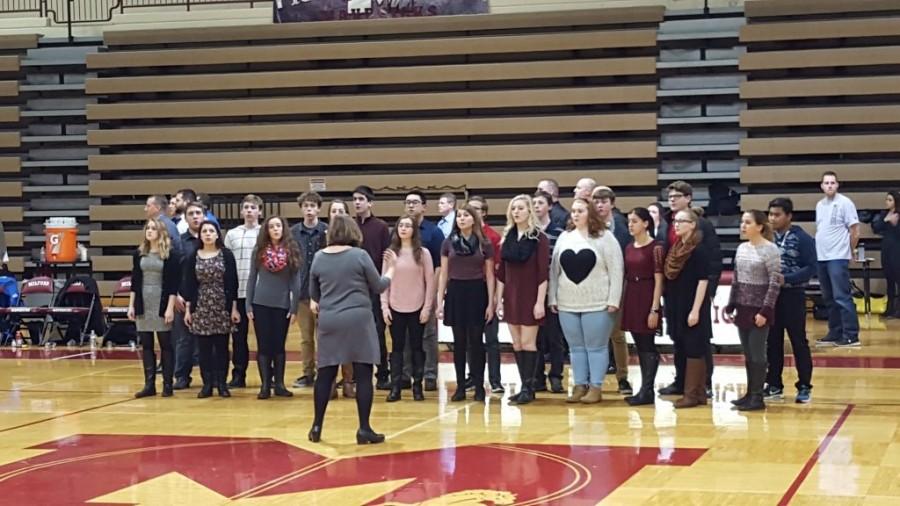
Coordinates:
834 217
241 241
446 224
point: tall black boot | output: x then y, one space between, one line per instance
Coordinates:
649 361
529 360
264 363
280 389
514 397
418 370
396 376
148 358
168 371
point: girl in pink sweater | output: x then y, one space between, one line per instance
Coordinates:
407 303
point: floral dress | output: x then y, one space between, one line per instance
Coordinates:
211 317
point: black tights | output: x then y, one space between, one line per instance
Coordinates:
362 373
468 338
645 343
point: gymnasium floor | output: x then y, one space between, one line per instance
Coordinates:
72 433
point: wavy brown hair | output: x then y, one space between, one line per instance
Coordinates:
595 224
164 243
397 243
263 241
477 230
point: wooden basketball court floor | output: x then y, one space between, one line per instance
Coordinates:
72 433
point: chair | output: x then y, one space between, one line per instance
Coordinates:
119 329
36 297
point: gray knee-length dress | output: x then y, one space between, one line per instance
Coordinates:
343 284
151 291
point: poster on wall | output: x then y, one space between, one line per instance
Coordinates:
294 11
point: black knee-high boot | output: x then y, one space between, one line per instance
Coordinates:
264 363
148 358
649 361
280 390
529 360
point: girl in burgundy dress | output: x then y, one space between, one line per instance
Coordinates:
644 259
522 287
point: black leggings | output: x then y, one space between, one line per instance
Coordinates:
405 327
165 342
240 352
645 343
467 338
213 357
271 326
362 373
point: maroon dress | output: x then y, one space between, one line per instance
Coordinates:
521 282
640 266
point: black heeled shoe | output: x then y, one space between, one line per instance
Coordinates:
264 392
459 395
205 392
368 437
167 391
740 402
394 396
149 390
281 391
315 433
480 394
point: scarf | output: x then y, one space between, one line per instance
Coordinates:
462 246
275 258
517 250
680 253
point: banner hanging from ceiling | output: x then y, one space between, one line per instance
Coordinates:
293 11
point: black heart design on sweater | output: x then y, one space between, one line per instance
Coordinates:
577 266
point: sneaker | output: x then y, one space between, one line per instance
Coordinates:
497 388
848 342
304 382
771 393
804 395
469 383
625 387
828 340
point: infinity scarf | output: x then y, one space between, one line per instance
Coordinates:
679 254
515 250
462 246
275 259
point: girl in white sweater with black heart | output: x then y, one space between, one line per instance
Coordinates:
586 278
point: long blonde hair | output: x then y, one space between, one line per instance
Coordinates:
164 243
534 226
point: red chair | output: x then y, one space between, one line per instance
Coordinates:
36 299
119 329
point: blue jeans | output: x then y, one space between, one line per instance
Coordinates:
186 349
834 277
588 338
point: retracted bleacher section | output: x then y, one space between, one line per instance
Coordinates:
822 93
12 47
482 105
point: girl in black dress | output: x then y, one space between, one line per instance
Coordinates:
687 306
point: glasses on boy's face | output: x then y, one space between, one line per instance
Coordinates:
413 202
678 222
676 196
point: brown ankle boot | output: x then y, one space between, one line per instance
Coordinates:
578 392
593 396
694 384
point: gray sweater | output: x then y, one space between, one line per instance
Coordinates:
345 280
272 289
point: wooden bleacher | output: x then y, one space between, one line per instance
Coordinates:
11 204
483 105
822 94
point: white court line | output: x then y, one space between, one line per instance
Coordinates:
70 356
432 419
68 378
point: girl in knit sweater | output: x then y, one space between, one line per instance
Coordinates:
586 277
754 290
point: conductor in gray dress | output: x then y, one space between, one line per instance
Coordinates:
343 281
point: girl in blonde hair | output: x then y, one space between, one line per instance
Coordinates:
522 287
155 275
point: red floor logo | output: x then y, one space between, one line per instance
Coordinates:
98 468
